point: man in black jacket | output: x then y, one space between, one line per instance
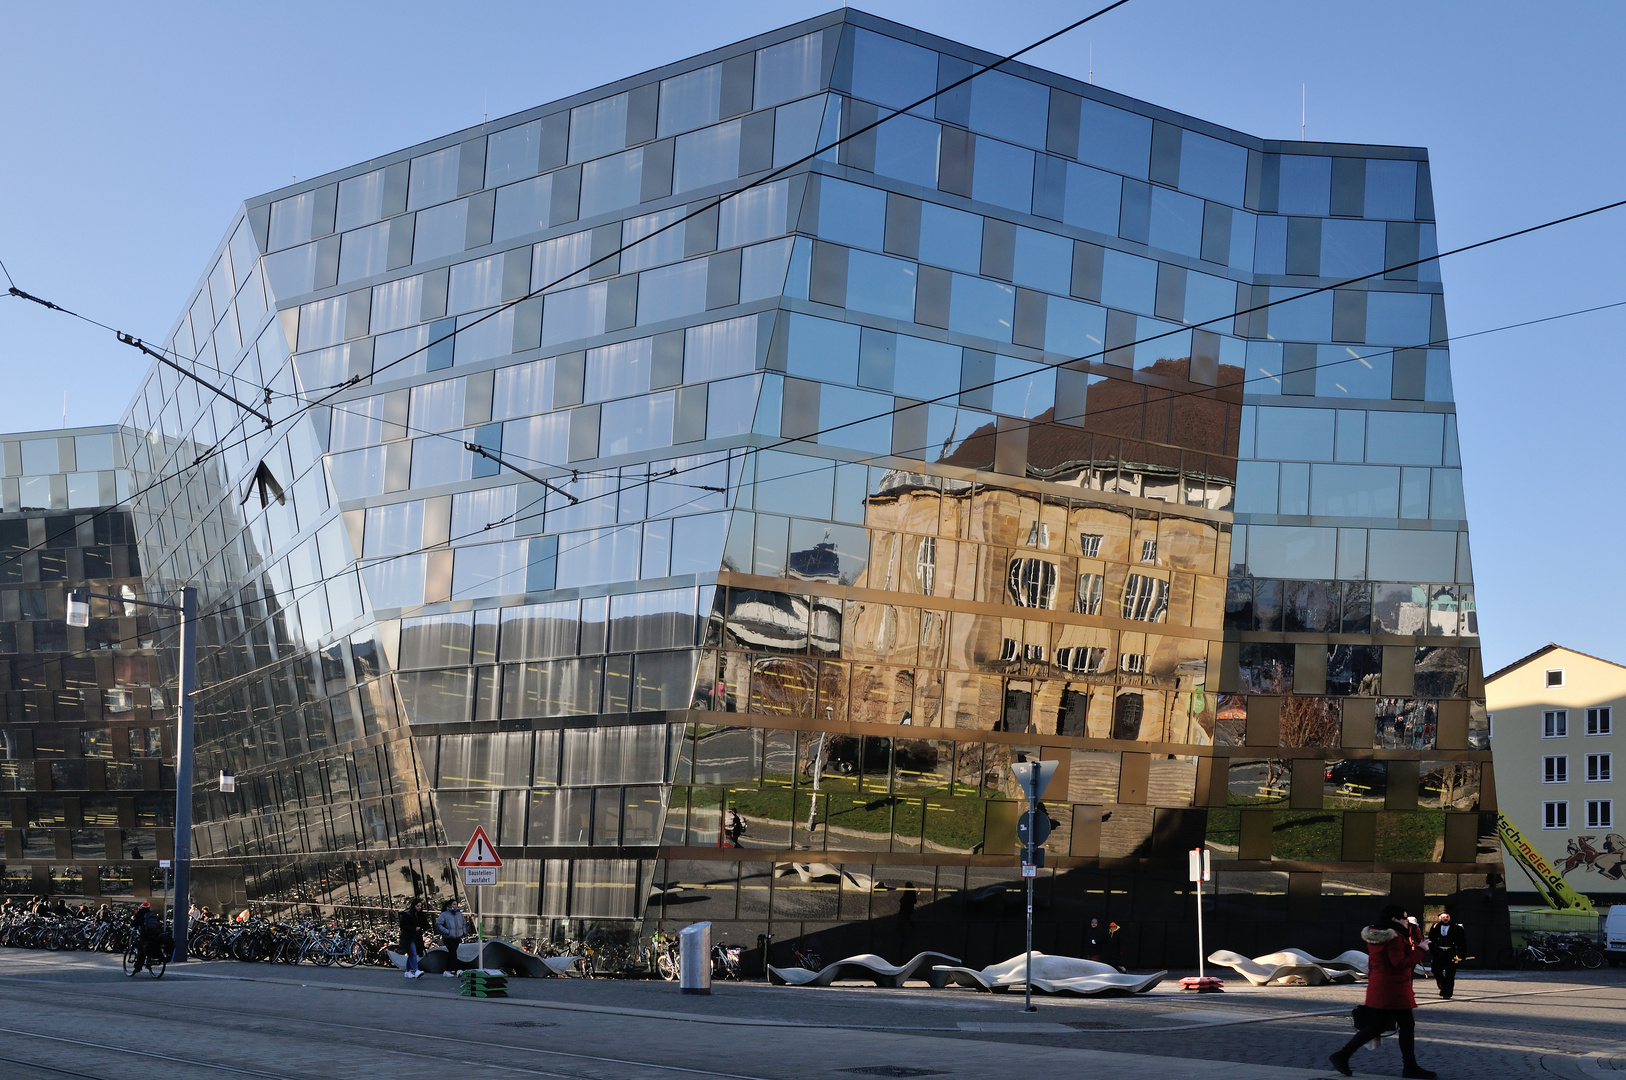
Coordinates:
1447 945
149 927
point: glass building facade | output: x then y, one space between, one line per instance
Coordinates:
87 782
957 443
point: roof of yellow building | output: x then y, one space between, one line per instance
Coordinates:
1545 649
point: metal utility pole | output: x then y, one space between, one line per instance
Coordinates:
1032 829
79 615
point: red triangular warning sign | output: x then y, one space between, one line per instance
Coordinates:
479 851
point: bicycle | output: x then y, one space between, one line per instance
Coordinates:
155 964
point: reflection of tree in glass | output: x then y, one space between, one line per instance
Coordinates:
1311 721
1450 784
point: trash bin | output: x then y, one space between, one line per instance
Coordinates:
694 958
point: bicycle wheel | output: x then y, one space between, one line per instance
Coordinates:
354 956
666 964
1591 959
156 965
130 960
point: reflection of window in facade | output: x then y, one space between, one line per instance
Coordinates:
1032 582
1089 545
1132 663
1089 593
926 564
1148 551
1146 599
1085 660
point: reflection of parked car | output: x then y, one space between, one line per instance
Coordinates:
1359 776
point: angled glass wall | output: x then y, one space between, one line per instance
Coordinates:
967 439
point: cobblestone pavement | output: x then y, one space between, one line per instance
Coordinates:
77 1016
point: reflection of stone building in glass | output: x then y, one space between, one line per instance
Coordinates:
931 452
87 799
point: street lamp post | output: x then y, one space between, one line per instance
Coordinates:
79 615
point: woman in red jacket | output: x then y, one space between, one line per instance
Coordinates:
1393 946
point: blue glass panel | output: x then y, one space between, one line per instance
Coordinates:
982 307
1177 222
1023 388
703 158
1092 199
1297 317
1003 175
1396 318
1243 226
396 582
796 129
1209 298
926 370
633 424
1351 248
1114 139
788 70
1343 371
1391 189
690 100
1437 385
1010 108
1445 499
890 72
523 208
950 238
1270 245
1292 552
1256 487
717 350
617 370
1044 261
730 404
574 313
822 349
852 214
1212 169
1074 329
1286 434
856 419
672 291
790 483
598 128
1354 491
1159 340
1128 282
1404 438
906 149
1306 185
881 285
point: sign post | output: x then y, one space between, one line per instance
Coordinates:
479 863
1200 869
1033 828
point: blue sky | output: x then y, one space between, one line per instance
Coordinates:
132 133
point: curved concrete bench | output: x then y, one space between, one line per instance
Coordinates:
1293 967
1052 975
864 966
499 955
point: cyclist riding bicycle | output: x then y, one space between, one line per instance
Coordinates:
150 928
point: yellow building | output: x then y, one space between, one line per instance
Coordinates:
1555 741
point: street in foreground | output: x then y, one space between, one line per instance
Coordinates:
79 1016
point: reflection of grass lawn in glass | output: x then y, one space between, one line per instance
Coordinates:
1317 835
954 815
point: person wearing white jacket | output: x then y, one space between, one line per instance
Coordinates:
452 926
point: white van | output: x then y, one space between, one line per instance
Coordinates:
1614 934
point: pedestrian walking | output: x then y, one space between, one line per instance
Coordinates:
736 828
1095 942
413 924
1447 945
1394 945
453 927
